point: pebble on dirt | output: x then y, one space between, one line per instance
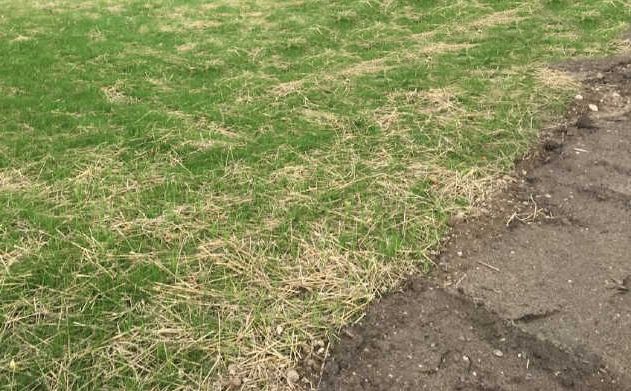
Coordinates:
235 382
293 376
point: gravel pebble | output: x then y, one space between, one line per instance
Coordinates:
293 376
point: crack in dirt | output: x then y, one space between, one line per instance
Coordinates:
531 316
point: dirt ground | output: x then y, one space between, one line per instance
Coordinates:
533 295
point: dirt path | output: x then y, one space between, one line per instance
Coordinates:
534 296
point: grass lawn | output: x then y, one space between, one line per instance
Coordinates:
194 192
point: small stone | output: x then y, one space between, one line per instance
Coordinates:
600 75
293 376
593 107
279 330
235 382
457 218
498 353
459 253
578 97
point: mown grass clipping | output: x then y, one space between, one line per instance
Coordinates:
199 194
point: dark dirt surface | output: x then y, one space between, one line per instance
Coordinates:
534 295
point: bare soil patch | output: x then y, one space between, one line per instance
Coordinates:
533 295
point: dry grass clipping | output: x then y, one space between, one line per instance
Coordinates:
438 48
438 104
496 19
15 180
287 88
365 67
387 118
115 94
323 118
30 244
369 66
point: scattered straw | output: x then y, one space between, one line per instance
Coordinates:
439 47
115 94
187 47
29 244
287 88
15 180
496 19
364 67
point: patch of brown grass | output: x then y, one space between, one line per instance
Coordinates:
474 185
21 38
323 118
437 48
496 19
425 36
9 91
187 47
184 18
553 78
268 347
202 133
287 88
622 46
434 100
370 66
94 165
364 67
387 118
29 244
14 180
439 104
162 85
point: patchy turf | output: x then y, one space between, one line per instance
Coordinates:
534 294
198 195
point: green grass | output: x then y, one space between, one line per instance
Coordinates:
192 192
